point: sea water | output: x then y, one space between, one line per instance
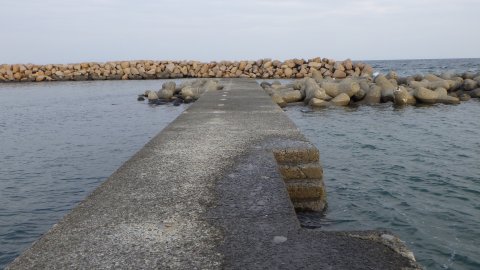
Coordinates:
414 171
58 142
410 170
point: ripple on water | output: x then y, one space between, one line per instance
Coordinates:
392 170
61 140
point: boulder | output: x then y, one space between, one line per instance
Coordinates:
338 66
170 85
364 85
339 74
477 79
387 88
266 84
348 64
341 100
402 80
288 72
439 95
331 88
446 99
441 92
464 97
469 84
469 75
270 91
372 96
177 102
394 83
188 91
188 99
170 67
367 71
432 78
152 95
277 98
317 75
318 103
312 90
267 64
334 89
349 87
166 93
134 71
474 93
298 84
290 63
432 85
197 88
210 85
315 65
359 95
291 96
403 97
458 83
425 95
392 75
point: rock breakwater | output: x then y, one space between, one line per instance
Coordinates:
146 69
367 90
185 92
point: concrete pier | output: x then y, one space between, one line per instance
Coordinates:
216 189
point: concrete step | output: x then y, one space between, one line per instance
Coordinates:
301 153
301 171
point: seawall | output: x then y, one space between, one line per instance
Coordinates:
216 189
147 69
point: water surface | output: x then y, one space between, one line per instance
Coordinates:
424 66
414 171
59 141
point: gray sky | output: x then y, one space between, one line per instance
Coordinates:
66 31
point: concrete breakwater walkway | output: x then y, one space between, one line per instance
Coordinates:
210 192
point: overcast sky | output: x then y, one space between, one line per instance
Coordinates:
66 31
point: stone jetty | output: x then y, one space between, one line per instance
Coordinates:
146 69
320 91
216 189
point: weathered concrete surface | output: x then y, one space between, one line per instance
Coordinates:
206 193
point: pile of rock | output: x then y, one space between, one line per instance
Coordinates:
186 92
428 89
137 70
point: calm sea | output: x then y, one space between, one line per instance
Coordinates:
59 141
413 171
422 66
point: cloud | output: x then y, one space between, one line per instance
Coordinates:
100 30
